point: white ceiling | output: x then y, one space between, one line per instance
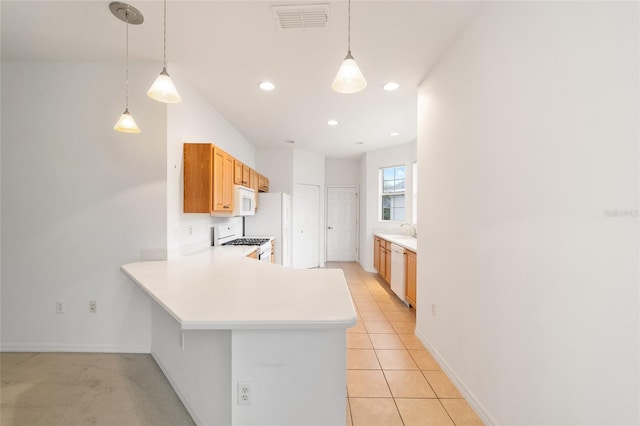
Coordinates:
225 48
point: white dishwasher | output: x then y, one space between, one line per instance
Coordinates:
397 271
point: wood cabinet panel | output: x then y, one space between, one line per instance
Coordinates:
198 178
263 183
387 262
246 175
411 267
237 172
223 168
376 253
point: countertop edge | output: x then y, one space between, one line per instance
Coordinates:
398 241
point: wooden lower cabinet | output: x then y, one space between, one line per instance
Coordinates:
387 261
383 254
411 267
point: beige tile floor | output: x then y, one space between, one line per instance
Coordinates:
391 378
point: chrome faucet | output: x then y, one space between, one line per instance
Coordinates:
414 232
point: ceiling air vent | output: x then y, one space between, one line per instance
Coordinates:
302 17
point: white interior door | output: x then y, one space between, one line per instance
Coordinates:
306 231
342 224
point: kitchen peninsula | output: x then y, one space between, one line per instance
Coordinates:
221 320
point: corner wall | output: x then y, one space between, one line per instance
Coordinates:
528 152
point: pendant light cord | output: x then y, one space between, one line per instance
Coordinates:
164 52
349 30
126 61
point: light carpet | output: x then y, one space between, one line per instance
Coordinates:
86 389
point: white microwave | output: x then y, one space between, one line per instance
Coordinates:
245 201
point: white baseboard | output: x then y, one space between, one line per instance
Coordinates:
57 347
177 390
480 409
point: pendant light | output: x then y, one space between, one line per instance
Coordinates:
163 89
349 78
130 15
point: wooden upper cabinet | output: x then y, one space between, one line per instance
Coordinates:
223 168
411 269
198 177
209 176
237 172
263 183
241 173
246 174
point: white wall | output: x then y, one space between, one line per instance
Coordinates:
194 120
78 201
277 165
341 171
527 145
370 164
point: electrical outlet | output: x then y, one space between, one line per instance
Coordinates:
190 230
92 306
244 394
433 310
59 307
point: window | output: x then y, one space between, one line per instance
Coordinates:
392 187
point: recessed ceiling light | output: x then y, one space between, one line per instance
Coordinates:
267 85
392 85
358 143
289 141
394 134
332 123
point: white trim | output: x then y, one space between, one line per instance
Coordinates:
477 406
57 347
177 389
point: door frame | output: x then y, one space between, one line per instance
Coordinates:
294 198
326 218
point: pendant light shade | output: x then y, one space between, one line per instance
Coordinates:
130 15
163 89
349 78
126 123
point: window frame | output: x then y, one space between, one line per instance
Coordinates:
381 194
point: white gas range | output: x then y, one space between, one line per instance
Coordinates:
228 235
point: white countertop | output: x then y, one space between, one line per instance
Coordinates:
401 240
219 288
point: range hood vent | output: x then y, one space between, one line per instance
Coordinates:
302 17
